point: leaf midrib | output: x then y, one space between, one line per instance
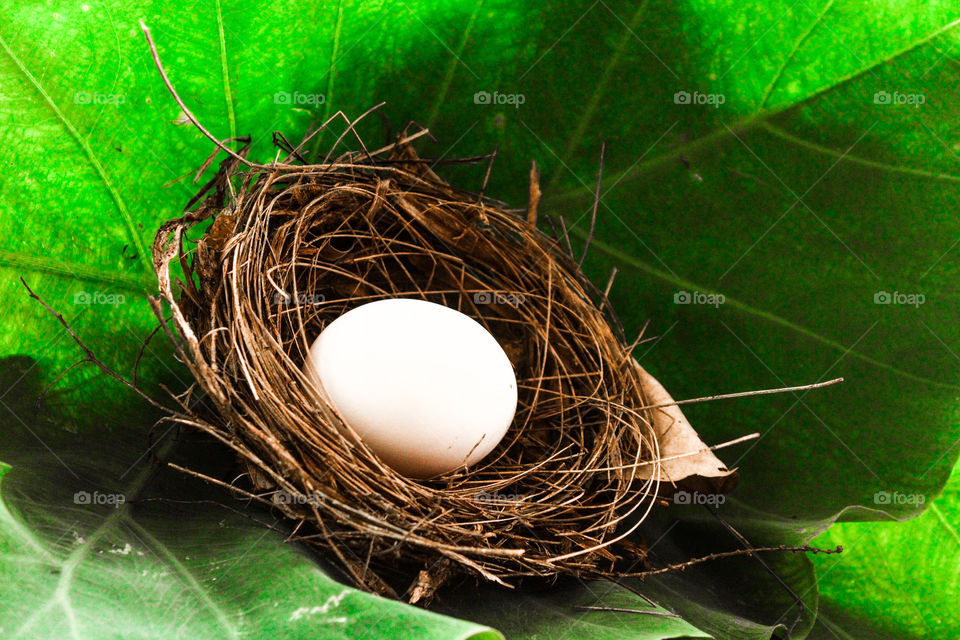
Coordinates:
225 70
69 564
19 263
756 119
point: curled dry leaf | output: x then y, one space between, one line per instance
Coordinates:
677 439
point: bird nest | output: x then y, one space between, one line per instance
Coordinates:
293 246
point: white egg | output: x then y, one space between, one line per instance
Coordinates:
426 387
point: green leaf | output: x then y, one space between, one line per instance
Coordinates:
112 548
798 198
798 215
731 598
897 579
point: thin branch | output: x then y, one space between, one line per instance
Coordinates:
596 206
745 394
606 291
486 176
632 590
185 109
566 235
534 201
746 544
89 355
143 348
722 445
682 566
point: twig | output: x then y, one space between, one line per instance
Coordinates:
351 124
89 356
728 443
596 206
566 235
745 394
746 544
186 110
486 176
634 591
534 201
143 348
606 291
682 566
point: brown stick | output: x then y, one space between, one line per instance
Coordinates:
746 394
534 201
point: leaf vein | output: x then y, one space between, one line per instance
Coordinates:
756 119
38 264
818 20
227 92
183 571
91 156
753 311
883 166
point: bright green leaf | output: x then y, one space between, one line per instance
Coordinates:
899 579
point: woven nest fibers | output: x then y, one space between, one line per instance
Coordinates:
294 246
